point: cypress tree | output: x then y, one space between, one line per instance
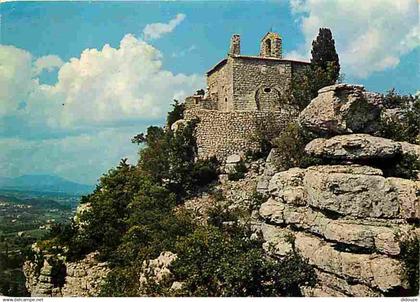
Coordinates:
324 54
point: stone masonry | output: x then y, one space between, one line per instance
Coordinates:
221 133
244 93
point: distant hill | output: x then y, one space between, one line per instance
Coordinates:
44 183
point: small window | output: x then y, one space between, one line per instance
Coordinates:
225 99
267 89
196 101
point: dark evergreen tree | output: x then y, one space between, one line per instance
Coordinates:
324 54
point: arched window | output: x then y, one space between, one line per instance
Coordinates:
267 44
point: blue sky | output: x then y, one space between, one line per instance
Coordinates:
79 79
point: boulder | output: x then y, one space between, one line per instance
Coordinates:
233 159
353 190
384 238
231 162
341 109
288 186
277 240
359 193
411 149
354 147
157 268
272 211
270 169
375 271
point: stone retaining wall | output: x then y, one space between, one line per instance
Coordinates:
221 133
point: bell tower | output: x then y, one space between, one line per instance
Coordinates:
235 45
271 46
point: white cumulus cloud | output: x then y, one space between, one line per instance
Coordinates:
15 78
370 35
157 30
49 62
100 88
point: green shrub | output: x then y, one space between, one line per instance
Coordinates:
264 145
404 126
410 257
238 172
217 263
205 171
291 148
177 113
219 214
406 166
257 199
121 282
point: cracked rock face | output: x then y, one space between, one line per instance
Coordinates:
354 147
81 278
354 190
349 221
340 109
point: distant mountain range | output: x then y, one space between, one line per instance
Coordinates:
44 183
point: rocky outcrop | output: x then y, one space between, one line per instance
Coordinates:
158 268
270 169
360 147
348 219
342 108
50 276
354 147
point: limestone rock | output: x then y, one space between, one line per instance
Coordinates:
353 147
341 287
176 286
340 109
408 194
372 270
178 124
412 149
233 159
360 194
358 191
157 268
384 239
277 240
82 278
288 186
270 169
272 211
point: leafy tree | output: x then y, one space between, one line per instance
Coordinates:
225 262
177 113
324 55
105 223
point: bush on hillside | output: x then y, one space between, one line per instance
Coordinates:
219 262
410 257
404 125
238 171
290 147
